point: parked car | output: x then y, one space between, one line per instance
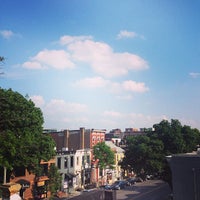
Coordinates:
118 185
131 181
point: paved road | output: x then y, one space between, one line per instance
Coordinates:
148 190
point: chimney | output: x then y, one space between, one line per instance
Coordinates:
82 137
66 139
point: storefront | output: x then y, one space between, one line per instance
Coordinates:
24 185
41 187
10 189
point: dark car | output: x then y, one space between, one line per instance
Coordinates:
118 185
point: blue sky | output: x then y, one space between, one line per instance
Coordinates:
104 64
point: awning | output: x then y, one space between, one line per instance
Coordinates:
11 187
42 178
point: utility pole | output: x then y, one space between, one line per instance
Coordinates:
5 174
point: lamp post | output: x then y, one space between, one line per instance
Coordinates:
83 176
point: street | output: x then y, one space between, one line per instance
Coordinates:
148 190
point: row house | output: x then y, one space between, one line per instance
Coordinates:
31 186
118 134
73 140
74 167
80 142
118 137
116 173
135 131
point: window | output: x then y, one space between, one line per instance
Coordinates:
71 161
83 160
88 159
19 171
44 169
77 161
59 162
65 162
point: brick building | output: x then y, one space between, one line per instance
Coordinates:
82 138
32 187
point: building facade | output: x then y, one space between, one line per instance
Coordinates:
82 138
32 186
75 168
80 142
185 175
116 173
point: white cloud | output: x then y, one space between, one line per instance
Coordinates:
113 114
7 34
99 56
67 39
194 74
94 82
58 59
103 60
128 34
61 106
142 120
113 87
134 86
59 113
38 100
33 65
125 97
116 119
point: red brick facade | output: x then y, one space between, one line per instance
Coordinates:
29 182
73 140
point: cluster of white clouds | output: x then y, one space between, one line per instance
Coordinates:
111 86
71 114
99 56
106 66
103 61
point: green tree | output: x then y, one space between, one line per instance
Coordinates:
54 179
104 154
171 136
191 138
144 155
21 139
147 153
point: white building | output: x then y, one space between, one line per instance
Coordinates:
75 168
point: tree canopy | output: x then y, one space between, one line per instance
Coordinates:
104 154
147 153
54 179
144 154
21 133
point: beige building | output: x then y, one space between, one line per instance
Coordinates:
119 155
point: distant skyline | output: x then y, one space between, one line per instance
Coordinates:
104 64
